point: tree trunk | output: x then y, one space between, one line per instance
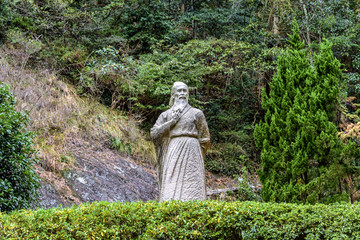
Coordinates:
308 41
275 25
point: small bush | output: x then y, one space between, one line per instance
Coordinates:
245 191
185 220
18 180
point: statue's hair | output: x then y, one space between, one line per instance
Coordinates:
173 90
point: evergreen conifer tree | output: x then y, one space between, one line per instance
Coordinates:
18 180
303 160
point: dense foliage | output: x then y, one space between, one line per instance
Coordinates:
18 180
127 53
185 220
303 159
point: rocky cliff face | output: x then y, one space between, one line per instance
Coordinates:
101 175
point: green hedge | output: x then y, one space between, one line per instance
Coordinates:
185 220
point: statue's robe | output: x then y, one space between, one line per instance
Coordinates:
181 150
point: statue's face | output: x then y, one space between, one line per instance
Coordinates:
181 93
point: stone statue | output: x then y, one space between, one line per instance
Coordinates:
181 136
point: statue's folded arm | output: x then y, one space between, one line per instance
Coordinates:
161 127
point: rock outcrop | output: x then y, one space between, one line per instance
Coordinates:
97 178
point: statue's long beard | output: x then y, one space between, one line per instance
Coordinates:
179 105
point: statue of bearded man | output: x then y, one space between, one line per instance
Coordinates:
181 136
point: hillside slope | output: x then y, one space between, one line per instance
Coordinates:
87 151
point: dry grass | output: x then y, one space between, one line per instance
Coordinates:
60 118
349 122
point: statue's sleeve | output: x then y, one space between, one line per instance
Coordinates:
160 136
203 131
161 127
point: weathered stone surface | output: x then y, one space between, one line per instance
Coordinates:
182 137
49 197
116 180
99 179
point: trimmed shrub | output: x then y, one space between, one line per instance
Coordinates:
185 220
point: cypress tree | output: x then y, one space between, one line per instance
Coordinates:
303 160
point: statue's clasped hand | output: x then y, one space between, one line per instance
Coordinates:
175 116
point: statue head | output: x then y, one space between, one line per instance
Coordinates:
179 93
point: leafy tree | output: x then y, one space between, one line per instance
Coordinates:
18 180
303 160
3 19
220 19
143 23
